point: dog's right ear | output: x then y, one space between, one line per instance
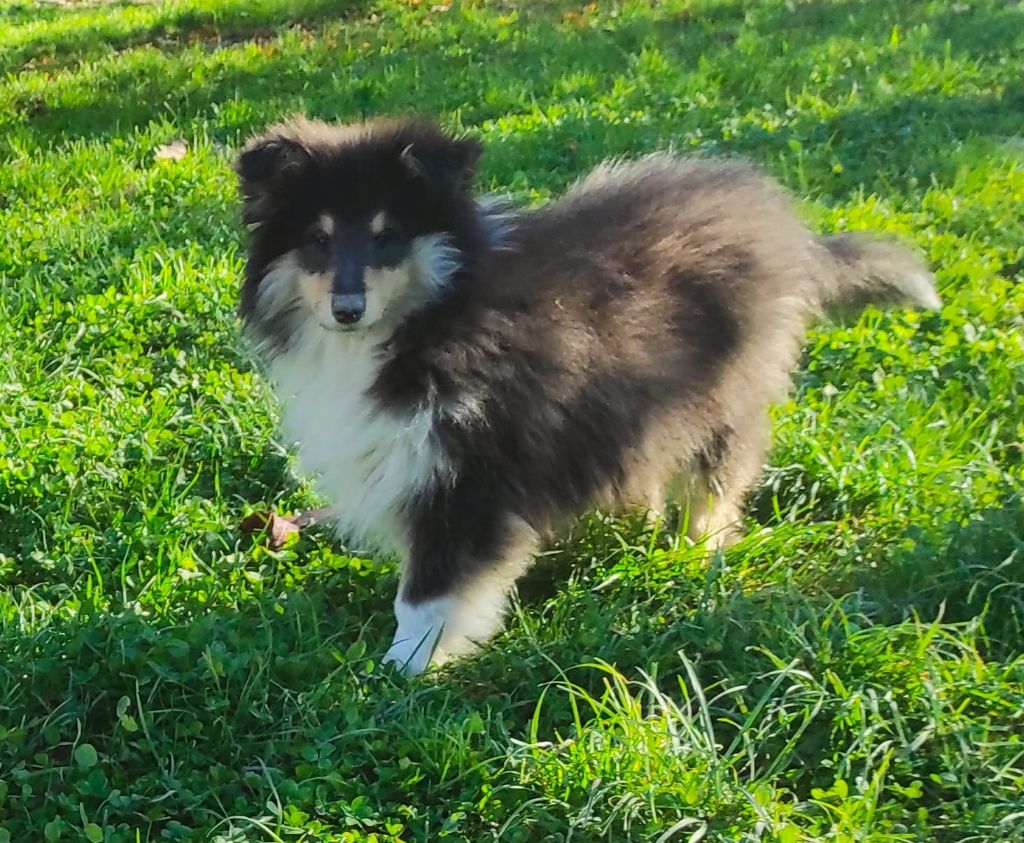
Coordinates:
263 167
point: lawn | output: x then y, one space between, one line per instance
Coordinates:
853 670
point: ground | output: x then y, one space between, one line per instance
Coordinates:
851 671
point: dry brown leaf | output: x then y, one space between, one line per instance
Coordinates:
277 528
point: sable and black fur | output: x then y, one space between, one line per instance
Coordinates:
618 347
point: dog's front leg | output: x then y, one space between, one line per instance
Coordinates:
452 597
420 625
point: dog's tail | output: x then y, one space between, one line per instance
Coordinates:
865 270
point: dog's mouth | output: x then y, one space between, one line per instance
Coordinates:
333 327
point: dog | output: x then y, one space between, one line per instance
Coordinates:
465 377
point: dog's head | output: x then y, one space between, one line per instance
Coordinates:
352 226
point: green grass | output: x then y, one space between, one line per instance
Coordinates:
854 670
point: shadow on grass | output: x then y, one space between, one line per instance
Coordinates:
167 27
181 712
958 573
325 82
973 29
981 32
285 673
878 149
872 148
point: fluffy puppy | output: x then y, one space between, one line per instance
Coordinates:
464 377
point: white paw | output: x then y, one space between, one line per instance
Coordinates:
409 655
419 628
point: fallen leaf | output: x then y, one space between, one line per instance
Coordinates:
175 150
277 528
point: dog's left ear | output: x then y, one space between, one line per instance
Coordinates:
448 165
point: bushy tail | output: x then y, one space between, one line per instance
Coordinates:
868 270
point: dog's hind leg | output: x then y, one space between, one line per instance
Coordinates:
446 607
713 516
655 507
726 469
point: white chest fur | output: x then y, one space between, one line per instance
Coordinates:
367 461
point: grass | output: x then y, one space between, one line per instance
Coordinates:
854 670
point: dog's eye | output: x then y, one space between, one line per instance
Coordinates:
319 239
385 237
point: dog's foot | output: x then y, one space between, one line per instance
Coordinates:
407 657
419 630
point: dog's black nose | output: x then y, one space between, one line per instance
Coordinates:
348 308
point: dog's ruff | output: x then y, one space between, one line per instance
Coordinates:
383 456
463 377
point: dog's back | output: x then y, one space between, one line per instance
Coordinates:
629 339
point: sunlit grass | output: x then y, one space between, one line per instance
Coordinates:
851 671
